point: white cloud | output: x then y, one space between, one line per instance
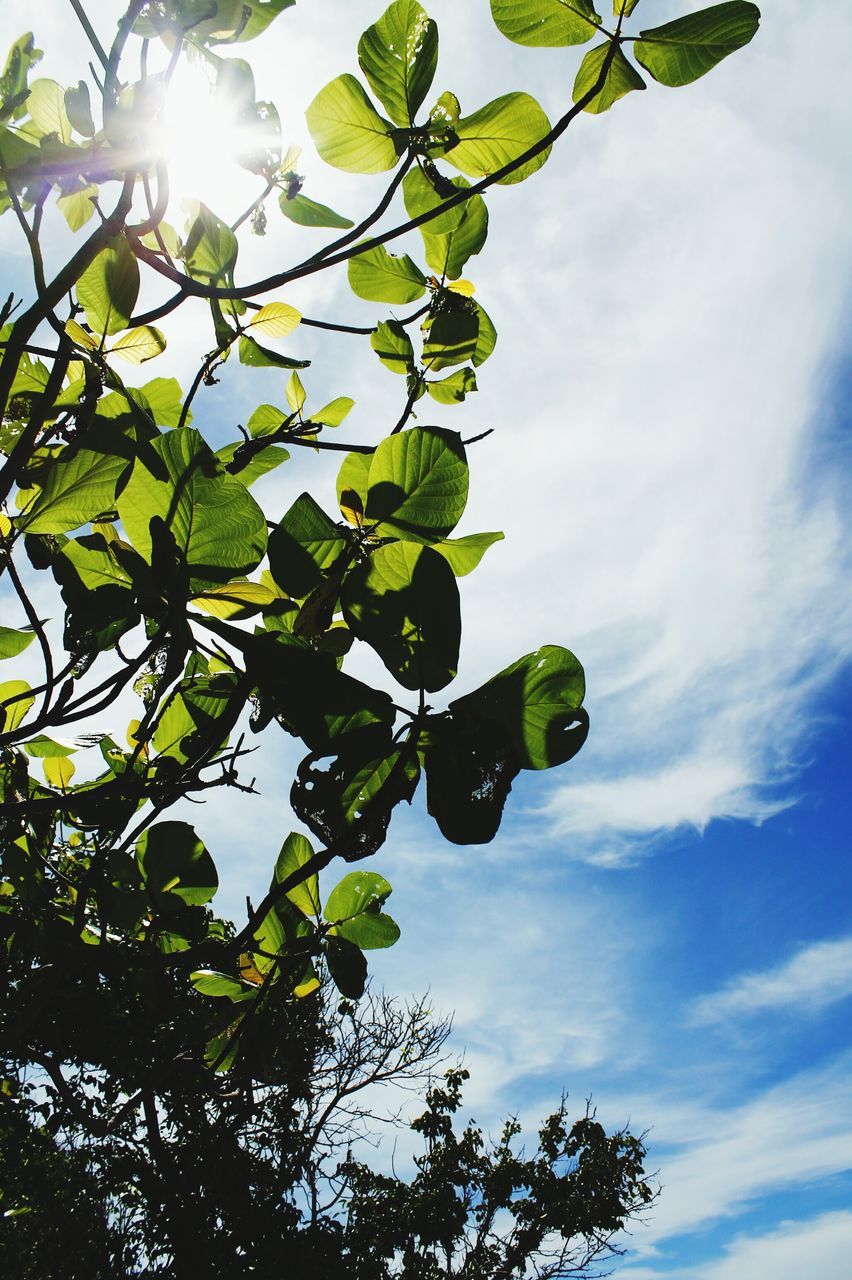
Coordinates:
715 1161
814 978
820 1246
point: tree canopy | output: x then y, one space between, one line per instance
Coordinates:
137 1024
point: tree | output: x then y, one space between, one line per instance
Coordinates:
117 974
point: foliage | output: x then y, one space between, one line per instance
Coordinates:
174 585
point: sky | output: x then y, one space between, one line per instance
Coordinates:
664 924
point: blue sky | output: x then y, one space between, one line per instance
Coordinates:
665 924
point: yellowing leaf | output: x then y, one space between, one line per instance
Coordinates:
234 599
59 770
249 971
138 345
306 988
276 319
465 287
81 336
12 715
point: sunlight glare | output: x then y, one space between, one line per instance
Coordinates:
201 138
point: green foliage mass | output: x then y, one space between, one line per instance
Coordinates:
127 1001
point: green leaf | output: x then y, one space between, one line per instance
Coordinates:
296 852
398 55
462 332
332 414
260 465
22 57
251 19
393 346
46 105
266 419
173 860
535 705
108 288
352 482
304 543
418 484
209 982
190 714
469 774
357 892
421 197
448 252
211 248
312 699
624 7
453 388
308 213
464 554
216 524
58 771
497 134
621 78
686 49
78 108
545 23
404 603
13 642
451 337
164 398
369 931
486 338
347 967
257 357
43 748
96 562
379 276
347 130
12 715
138 345
77 489
76 207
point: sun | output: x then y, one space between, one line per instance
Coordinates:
202 134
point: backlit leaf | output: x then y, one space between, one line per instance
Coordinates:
296 851
138 345
535 705
380 276
108 288
173 860
681 51
398 55
276 319
621 78
309 213
12 715
404 603
418 484
464 554
215 522
497 134
347 130
545 23
59 770
13 642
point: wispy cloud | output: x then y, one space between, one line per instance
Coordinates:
721 1159
820 1246
809 981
